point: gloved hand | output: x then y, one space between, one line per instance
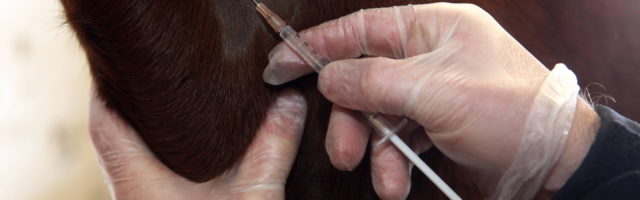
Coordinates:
132 172
450 67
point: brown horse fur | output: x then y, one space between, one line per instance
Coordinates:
187 76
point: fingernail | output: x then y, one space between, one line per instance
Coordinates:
269 76
276 73
272 75
283 67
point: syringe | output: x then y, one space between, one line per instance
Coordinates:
377 121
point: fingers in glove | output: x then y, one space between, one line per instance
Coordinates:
265 167
347 138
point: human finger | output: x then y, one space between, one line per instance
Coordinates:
265 167
395 32
347 138
374 84
390 170
122 154
284 66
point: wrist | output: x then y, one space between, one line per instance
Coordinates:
581 136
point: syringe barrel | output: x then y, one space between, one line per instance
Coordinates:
304 50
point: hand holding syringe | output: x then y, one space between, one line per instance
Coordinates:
377 121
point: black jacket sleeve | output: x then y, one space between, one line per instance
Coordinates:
611 169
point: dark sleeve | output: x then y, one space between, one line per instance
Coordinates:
611 169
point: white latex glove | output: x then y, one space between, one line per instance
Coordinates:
132 172
450 67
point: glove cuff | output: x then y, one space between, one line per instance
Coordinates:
546 131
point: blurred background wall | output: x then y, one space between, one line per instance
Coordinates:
45 149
